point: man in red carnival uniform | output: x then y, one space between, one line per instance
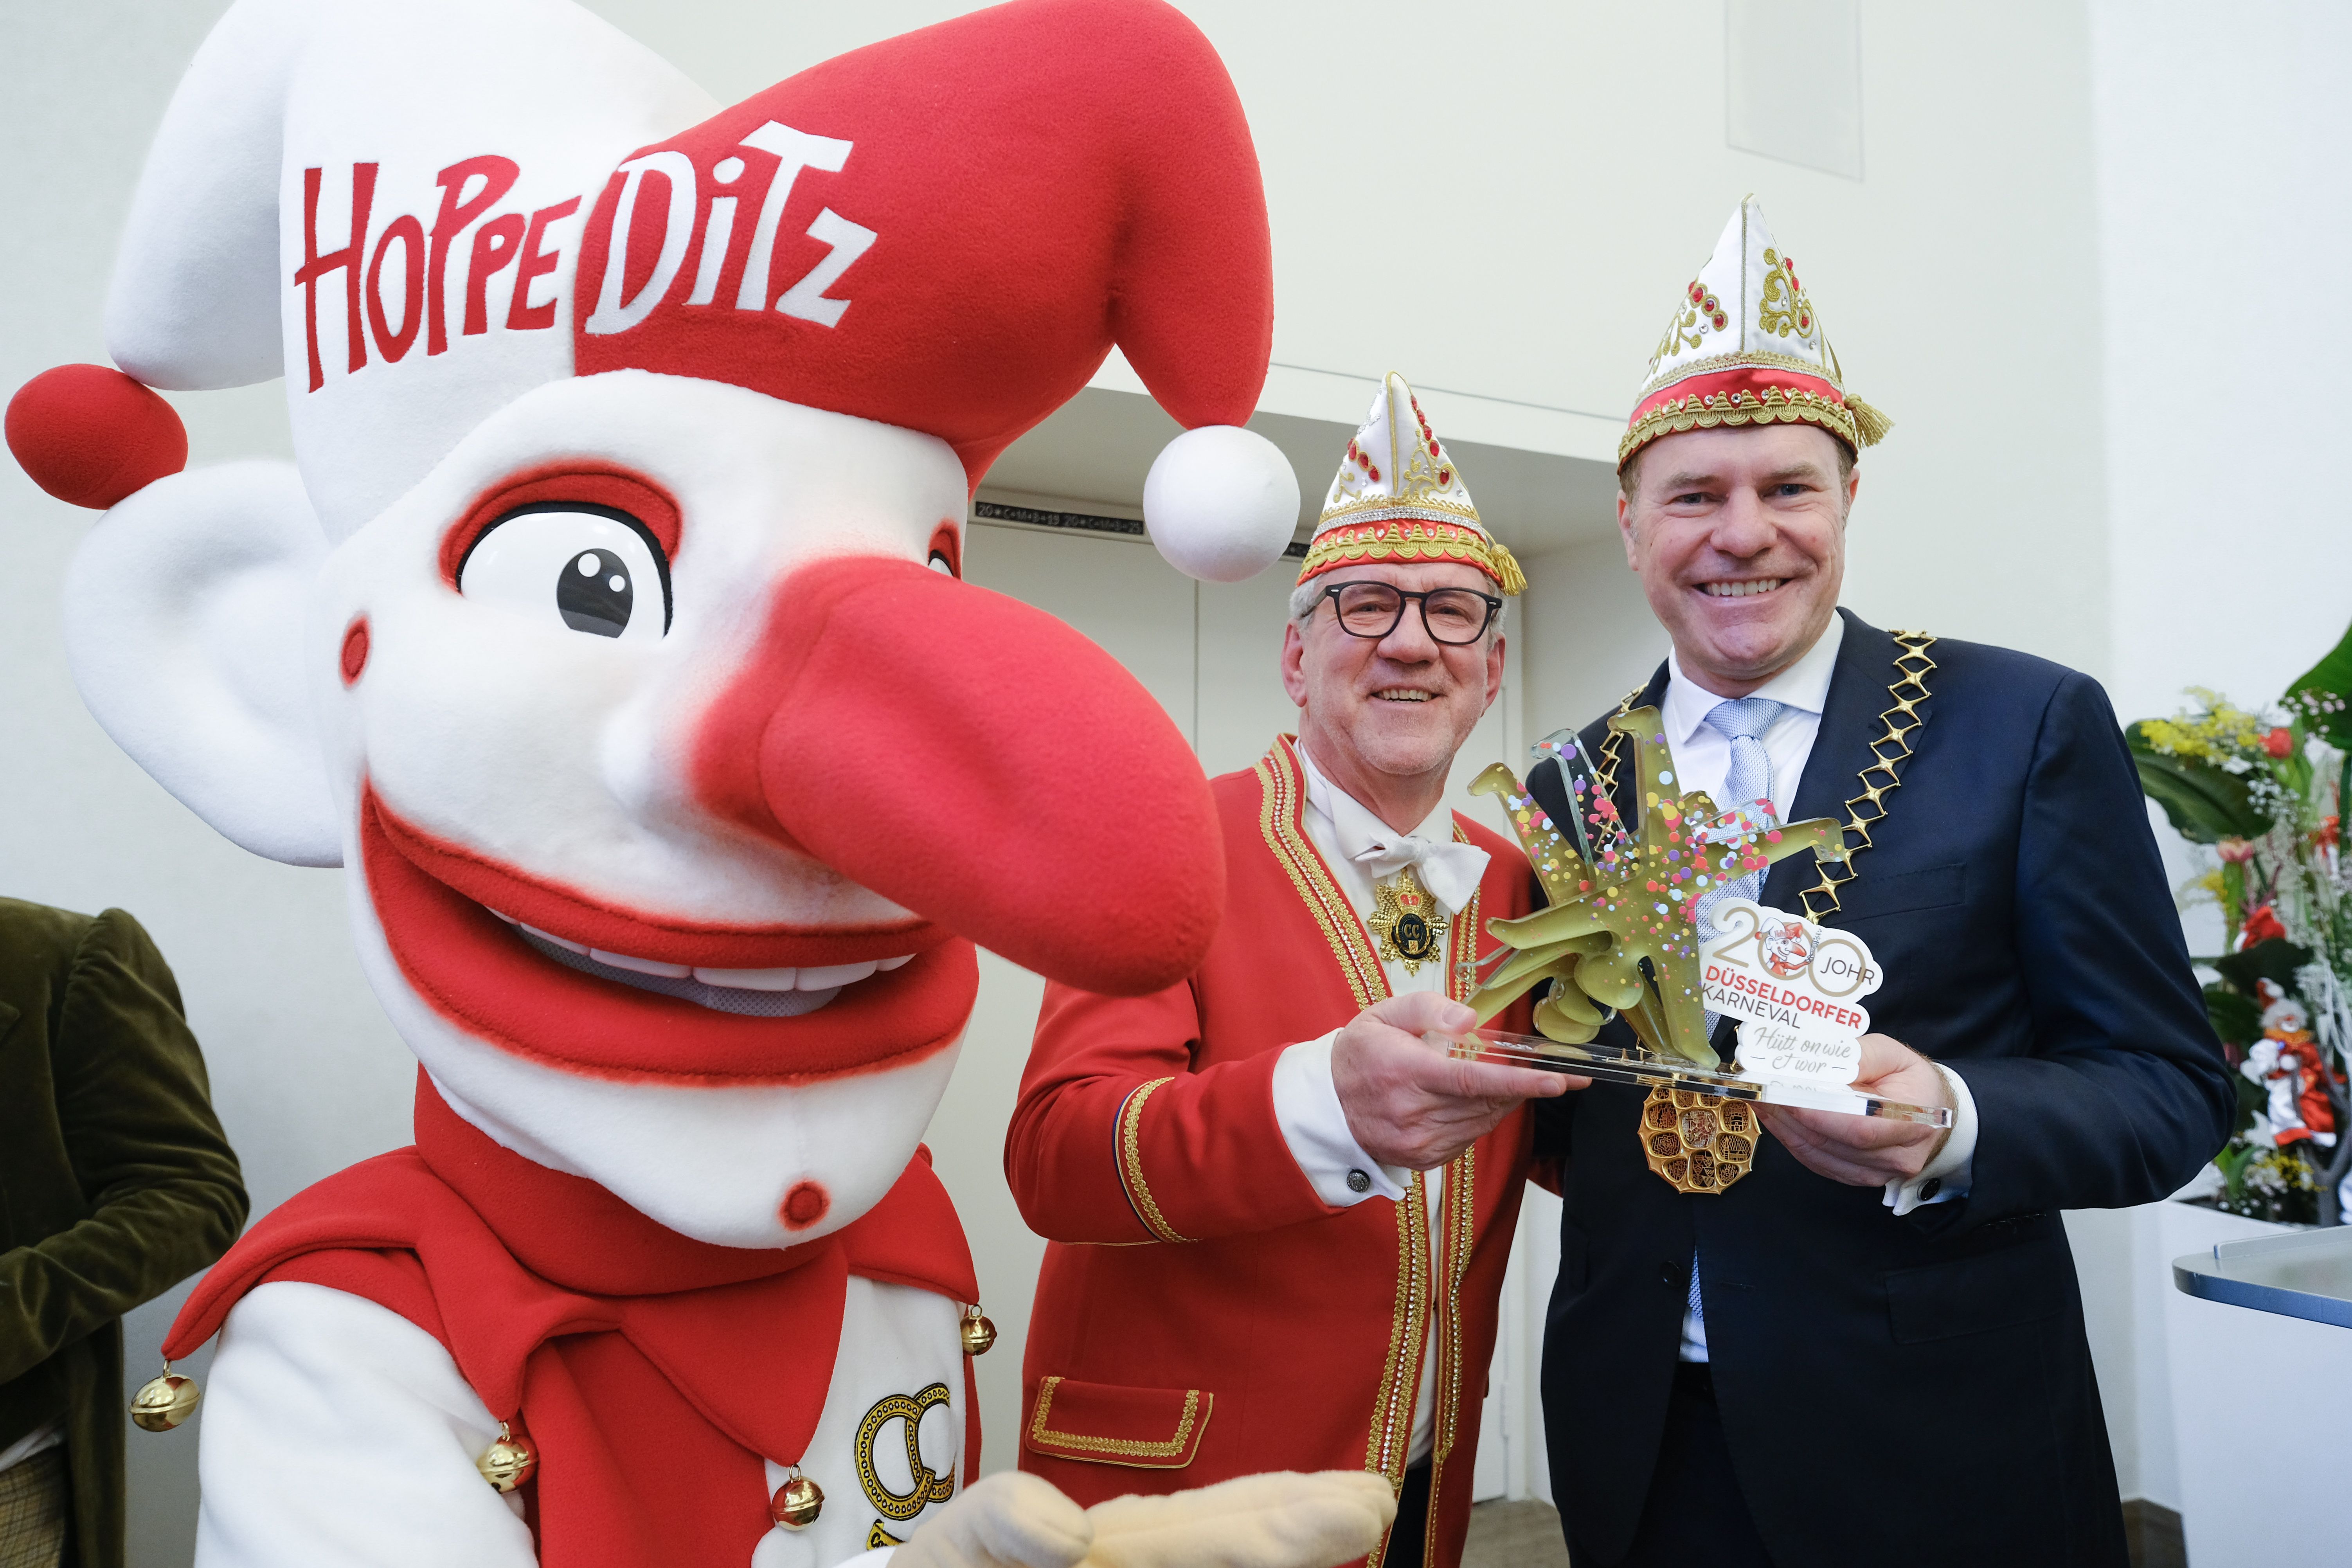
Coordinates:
1279 1218
611 634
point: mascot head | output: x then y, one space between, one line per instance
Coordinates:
609 625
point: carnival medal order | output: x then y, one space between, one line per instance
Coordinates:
1410 925
1620 936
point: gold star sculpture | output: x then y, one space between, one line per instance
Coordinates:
1621 932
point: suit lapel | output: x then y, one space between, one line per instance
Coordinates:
1841 750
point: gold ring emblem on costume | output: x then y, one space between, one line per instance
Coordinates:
930 1486
1410 925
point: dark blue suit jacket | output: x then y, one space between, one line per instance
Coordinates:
1911 1390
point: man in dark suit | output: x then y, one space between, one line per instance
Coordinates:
1871 1348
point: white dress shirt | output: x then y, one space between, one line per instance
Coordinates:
40 1440
1702 759
1307 1101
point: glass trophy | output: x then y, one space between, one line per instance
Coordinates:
1621 937
1636 1066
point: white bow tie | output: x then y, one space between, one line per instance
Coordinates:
1449 870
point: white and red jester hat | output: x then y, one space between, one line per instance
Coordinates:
409 212
1399 496
1745 346
543 306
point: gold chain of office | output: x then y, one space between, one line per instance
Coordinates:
1879 778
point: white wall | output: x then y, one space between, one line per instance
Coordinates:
1500 200
2223 206
2225 214
1590 635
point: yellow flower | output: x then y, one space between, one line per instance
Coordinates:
2216 731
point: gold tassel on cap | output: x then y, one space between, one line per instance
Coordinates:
1870 427
1506 568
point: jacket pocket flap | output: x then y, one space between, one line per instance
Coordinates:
1905 892
2016 1285
1104 1424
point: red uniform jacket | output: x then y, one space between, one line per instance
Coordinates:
1202 1314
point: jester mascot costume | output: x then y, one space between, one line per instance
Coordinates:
608 630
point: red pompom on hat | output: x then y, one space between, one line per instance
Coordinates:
948 230
90 436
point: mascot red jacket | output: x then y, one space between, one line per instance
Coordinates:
608 631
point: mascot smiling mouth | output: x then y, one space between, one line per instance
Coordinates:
494 953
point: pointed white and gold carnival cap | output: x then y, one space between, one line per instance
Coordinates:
1397 497
1745 346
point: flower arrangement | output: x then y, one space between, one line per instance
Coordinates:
2264 792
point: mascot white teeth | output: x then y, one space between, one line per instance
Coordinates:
608 628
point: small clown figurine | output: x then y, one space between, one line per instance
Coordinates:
2287 1064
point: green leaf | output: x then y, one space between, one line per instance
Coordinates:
2333 676
2235 1016
2202 803
2274 959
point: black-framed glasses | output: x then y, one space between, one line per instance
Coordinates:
1452 615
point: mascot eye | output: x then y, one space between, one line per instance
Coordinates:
590 568
595 594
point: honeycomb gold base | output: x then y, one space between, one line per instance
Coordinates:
1698 1142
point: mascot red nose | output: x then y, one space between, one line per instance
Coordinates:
609 630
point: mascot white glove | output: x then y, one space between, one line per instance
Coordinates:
1281 1520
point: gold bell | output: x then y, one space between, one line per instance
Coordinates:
979 1333
797 1502
163 1403
508 1462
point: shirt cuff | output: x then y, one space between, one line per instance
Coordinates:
1948 1176
1314 1124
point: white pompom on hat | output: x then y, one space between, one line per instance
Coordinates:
1221 502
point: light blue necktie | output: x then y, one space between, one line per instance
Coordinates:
1742 721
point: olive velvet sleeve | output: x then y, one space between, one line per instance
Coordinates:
161 1185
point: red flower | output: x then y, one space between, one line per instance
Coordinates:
2325 838
2261 926
2236 851
2279 743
